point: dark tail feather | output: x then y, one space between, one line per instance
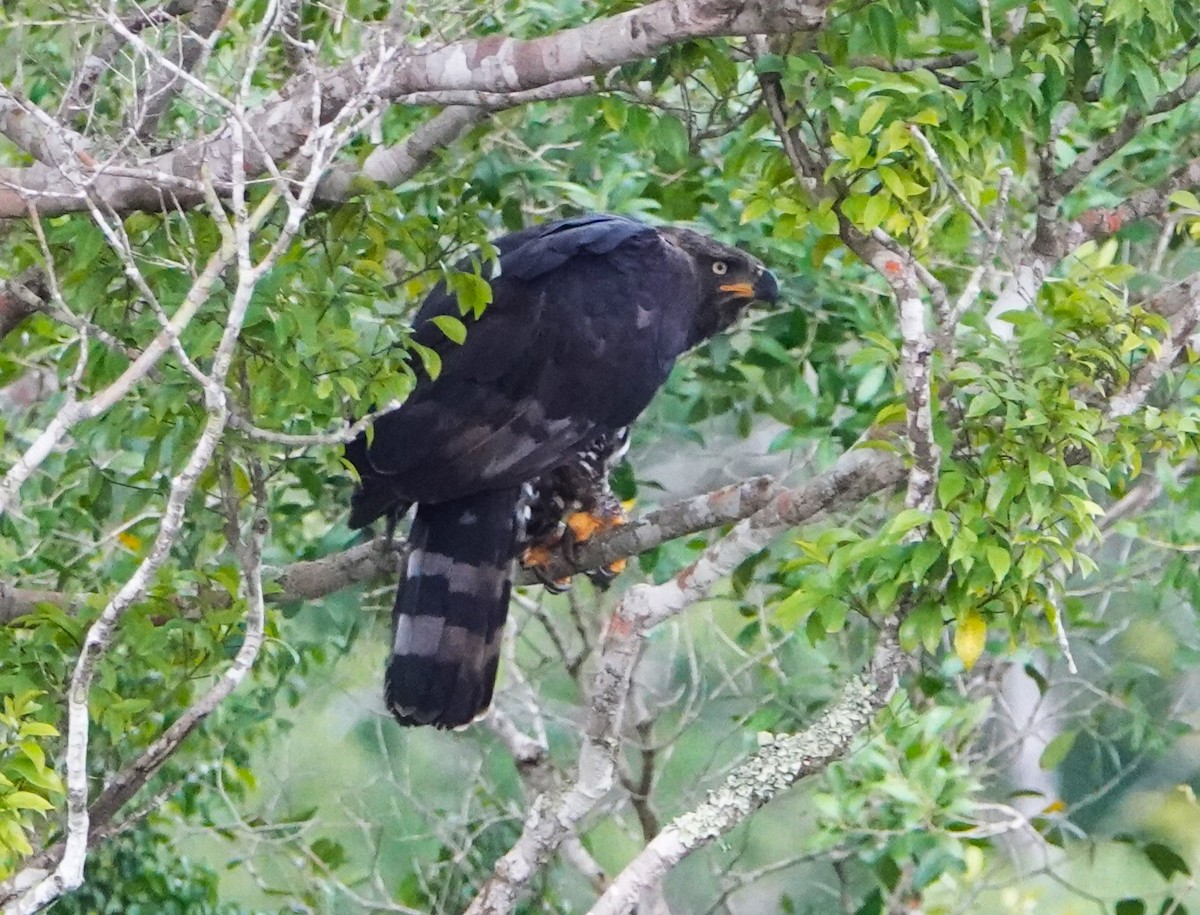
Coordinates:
450 610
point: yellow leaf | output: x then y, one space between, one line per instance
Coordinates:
969 639
131 542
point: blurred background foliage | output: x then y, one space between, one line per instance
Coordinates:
997 781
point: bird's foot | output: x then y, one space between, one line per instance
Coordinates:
538 559
576 530
583 526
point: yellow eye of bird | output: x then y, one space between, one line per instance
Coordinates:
720 268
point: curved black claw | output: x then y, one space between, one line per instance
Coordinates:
553 585
569 545
602 577
538 559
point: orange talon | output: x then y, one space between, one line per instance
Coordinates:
537 560
576 529
584 525
536 556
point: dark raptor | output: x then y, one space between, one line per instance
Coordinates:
516 432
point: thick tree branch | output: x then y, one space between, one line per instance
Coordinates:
1149 203
1063 184
494 64
197 34
21 298
375 561
391 165
38 134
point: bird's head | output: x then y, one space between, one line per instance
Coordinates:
729 280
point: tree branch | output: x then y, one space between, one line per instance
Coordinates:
494 64
38 134
20 298
552 818
392 165
772 770
1183 301
197 34
376 561
1109 144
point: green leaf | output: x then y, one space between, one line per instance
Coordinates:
999 559
347 384
870 117
870 384
943 525
950 486
34 753
924 556
1185 199
825 244
1166 860
37 729
1057 749
962 549
882 24
454 329
879 205
756 209
794 608
906 520
1130 907
983 403
672 138
893 182
769 63
431 361
332 853
1039 470
474 293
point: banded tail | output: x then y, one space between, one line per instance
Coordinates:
450 609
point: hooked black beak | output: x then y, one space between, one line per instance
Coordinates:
766 287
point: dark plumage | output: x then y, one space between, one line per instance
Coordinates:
588 316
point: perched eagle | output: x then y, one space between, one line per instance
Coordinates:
587 317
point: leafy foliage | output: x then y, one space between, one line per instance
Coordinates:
1016 561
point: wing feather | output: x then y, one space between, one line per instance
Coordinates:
586 320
